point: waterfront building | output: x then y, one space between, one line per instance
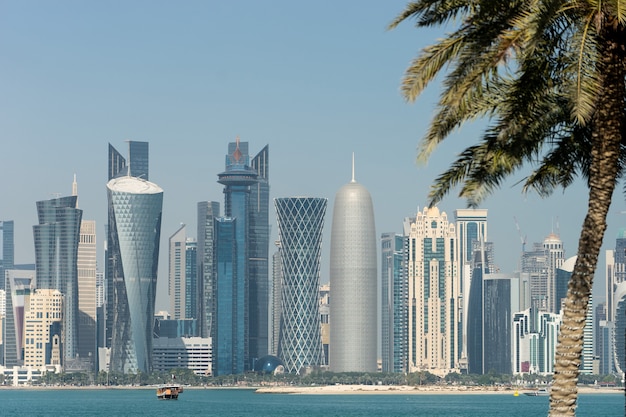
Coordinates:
325 319
258 257
7 231
137 166
534 341
42 329
434 344
353 279
208 211
300 224
19 285
191 278
87 302
471 226
394 303
553 246
56 257
177 277
619 327
135 208
193 353
276 308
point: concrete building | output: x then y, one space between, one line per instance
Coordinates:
42 330
192 353
434 343
354 281
534 341
300 224
87 302
177 288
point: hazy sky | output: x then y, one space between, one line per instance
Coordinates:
314 80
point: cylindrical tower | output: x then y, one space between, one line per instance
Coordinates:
135 223
353 281
300 223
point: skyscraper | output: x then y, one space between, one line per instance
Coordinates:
208 211
20 284
87 303
138 163
42 329
353 281
246 199
300 223
135 207
394 303
177 277
56 256
277 282
7 248
434 345
471 226
191 278
258 257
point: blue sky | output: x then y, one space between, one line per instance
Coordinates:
316 81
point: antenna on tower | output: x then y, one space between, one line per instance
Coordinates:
353 180
522 238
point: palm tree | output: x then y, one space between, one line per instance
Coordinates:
548 76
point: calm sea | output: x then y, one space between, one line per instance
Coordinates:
214 402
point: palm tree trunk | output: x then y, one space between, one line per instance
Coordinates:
608 127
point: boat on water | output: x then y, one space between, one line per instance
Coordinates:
541 392
169 392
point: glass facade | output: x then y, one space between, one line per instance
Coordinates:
208 211
229 346
258 268
135 207
394 303
300 223
7 248
19 286
56 253
191 279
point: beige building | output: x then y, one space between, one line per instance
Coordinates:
433 344
42 330
86 262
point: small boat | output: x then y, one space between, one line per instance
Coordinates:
541 392
169 392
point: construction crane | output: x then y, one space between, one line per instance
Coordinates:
522 238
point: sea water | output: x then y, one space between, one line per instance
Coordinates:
243 403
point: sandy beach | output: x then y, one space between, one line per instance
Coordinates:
406 389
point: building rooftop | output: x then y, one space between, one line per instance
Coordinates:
133 185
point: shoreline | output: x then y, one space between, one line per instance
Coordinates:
416 390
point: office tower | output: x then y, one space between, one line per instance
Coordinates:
553 246
137 166
561 281
493 299
56 255
208 211
619 326
325 319
534 341
20 284
7 248
191 278
535 264
229 298
434 345
177 276
615 271
42 330
193 353
258 257
586 366
471 226
394 303
135 207
277 281
246 199
300 223
87 303
353 279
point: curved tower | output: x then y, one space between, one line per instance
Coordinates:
300 223
353 281
135 207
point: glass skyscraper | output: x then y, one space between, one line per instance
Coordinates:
300 223
135 207
258 273
394 303
7 248
208 211
56 253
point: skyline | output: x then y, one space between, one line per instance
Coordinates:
189 78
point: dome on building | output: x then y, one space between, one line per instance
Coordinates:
267 364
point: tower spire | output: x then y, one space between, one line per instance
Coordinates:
353 180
